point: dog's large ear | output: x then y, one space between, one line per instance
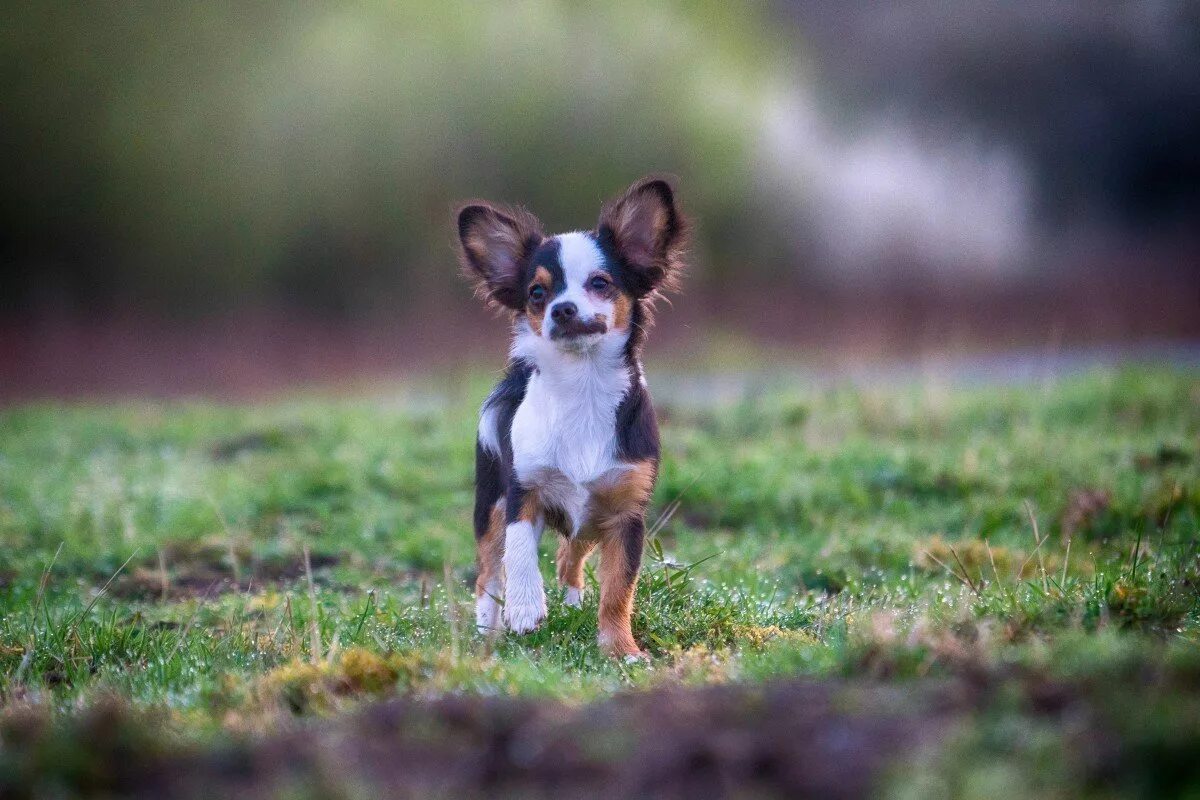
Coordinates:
495 246
648 232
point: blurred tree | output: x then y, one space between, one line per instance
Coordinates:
189 156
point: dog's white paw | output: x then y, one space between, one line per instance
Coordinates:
524 617
524 592
573 597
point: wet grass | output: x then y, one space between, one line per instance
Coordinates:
234 568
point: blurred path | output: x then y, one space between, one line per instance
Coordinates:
1011 367
700 346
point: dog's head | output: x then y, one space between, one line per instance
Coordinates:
577 288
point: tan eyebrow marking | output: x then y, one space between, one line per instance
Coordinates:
541 277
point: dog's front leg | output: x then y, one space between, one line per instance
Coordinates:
620 560
524 594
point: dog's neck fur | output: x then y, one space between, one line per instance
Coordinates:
575 396
568 374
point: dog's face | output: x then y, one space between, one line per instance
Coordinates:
574 294
576 289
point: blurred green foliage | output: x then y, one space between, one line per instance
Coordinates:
311 152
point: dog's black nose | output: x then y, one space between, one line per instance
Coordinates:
564 311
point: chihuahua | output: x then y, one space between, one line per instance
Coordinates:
568 438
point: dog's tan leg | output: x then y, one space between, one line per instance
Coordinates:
489 585
572 554
620 559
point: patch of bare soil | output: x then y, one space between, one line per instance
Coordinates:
801 738
197 569
829 738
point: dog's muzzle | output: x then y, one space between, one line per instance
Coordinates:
575 327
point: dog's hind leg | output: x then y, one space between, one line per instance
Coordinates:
572 554
490 516
489 585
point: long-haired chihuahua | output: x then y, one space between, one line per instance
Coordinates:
568 438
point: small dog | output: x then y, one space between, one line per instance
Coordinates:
568 438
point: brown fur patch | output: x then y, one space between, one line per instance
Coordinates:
627 496
622 303
489 550
536 312
613 509
622 311
477 244
616 597
572 555
531 507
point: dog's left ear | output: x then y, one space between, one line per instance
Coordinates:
645 228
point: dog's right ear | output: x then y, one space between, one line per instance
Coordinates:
496 244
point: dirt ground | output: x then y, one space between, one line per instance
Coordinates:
796 738
799 738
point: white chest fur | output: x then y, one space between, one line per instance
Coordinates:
564 431
572 432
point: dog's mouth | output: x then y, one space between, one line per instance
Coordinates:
575 329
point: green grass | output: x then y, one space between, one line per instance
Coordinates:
889 532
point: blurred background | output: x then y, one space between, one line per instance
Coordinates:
236 198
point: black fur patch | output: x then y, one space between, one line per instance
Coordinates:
640 320
641 317
633 280
514 499
547 255
637 428
633 537
489 487
612 261
493 474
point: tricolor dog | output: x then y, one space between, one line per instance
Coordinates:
568 437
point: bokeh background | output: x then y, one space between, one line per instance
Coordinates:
231 198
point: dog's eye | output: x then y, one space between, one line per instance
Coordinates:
537 293
599 283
